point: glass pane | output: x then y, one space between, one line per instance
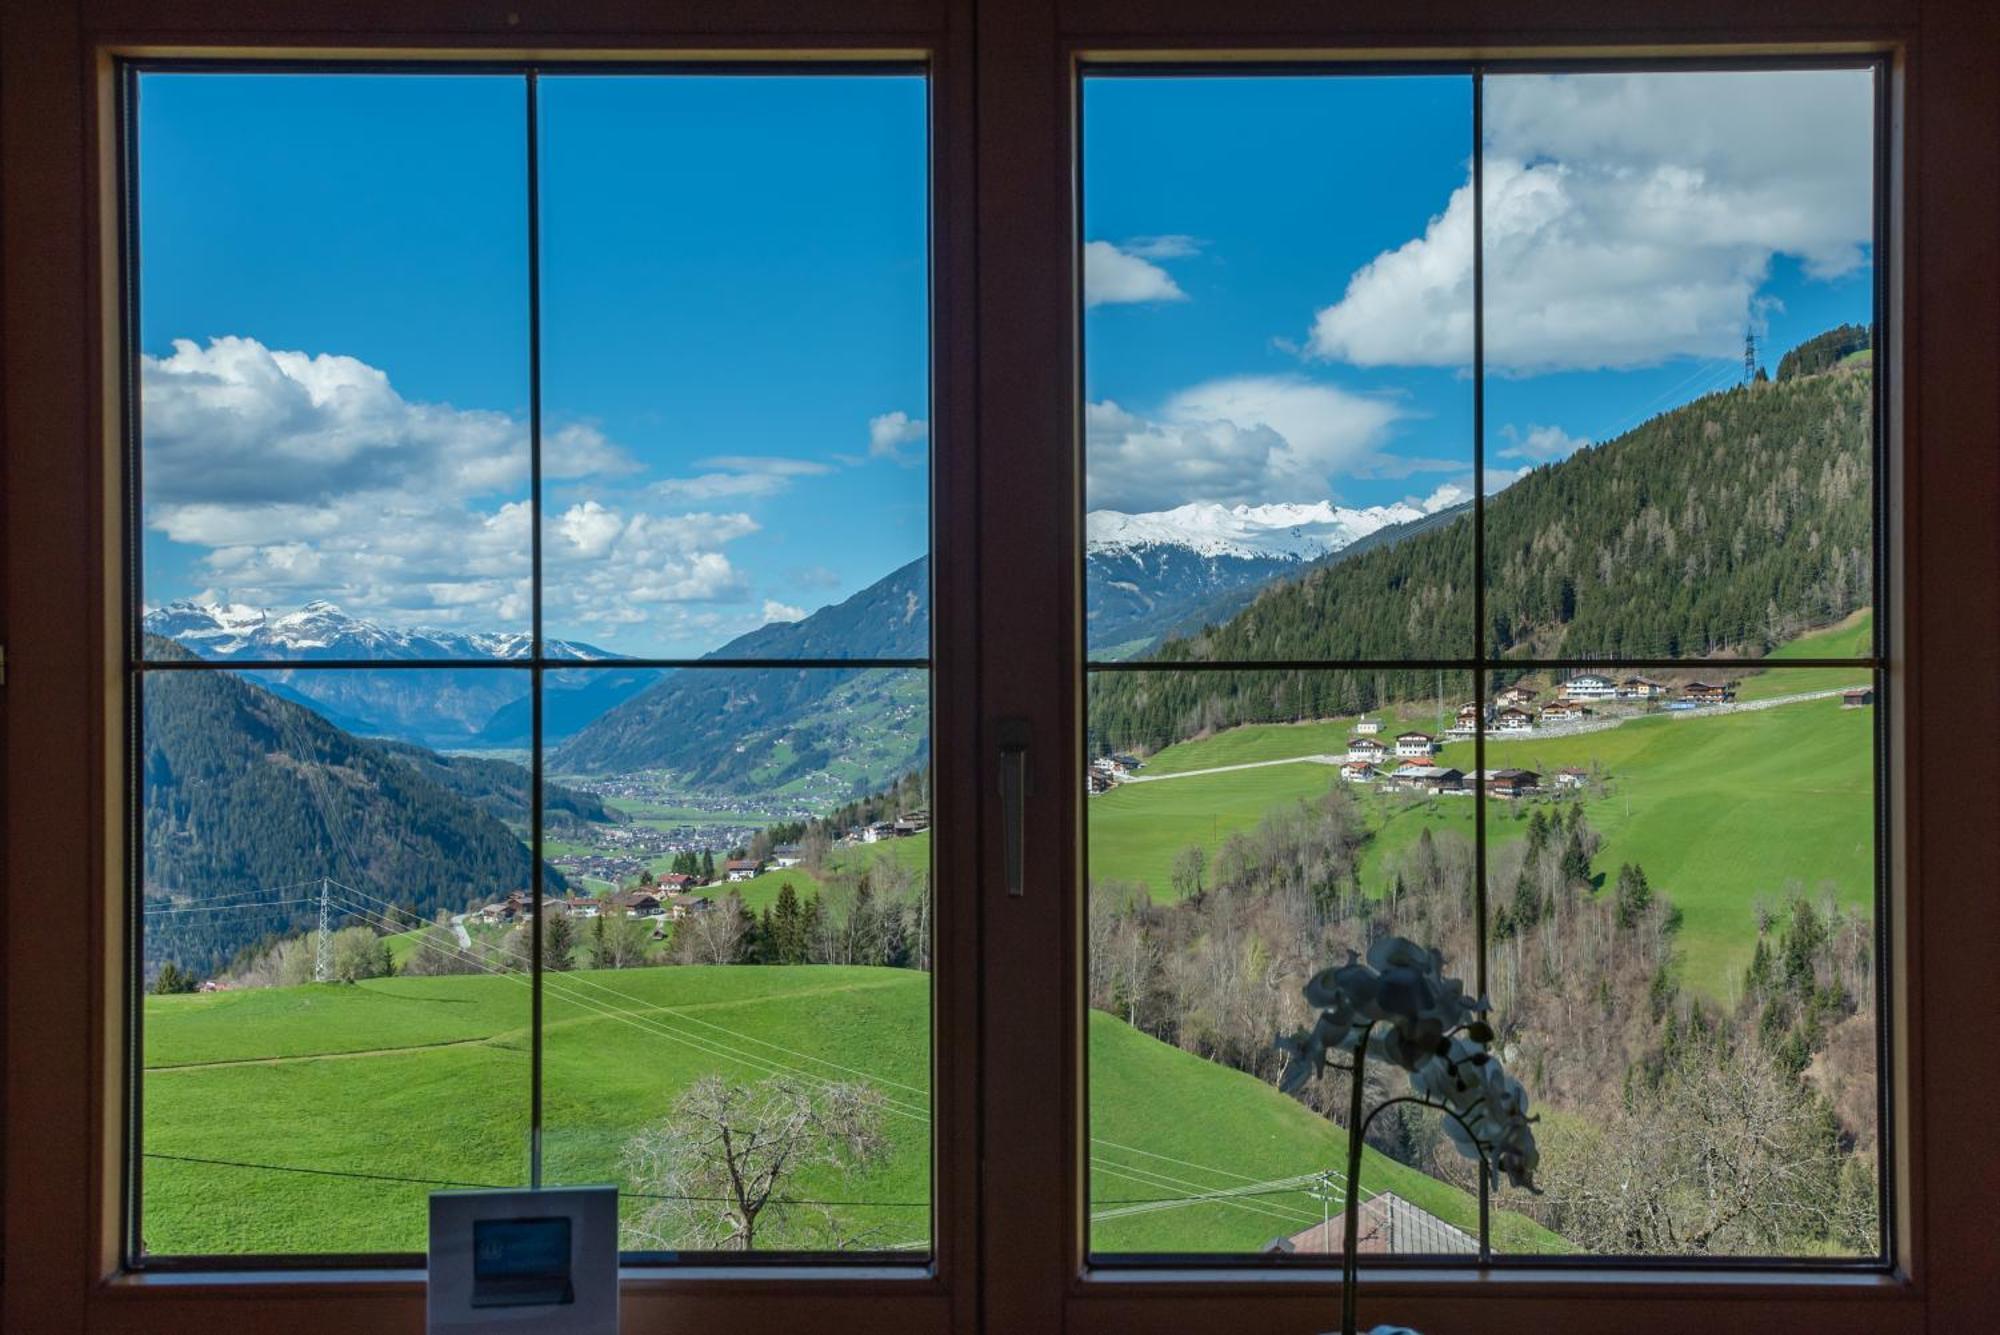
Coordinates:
333 1026
1679 397
745 951
1229 861
1683 968
333 366
735 333
1271 453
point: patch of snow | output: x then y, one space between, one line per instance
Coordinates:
1285 531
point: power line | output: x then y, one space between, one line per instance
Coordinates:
565 988
364 1176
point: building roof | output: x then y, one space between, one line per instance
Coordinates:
1385 1224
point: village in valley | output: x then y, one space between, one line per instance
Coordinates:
1406 761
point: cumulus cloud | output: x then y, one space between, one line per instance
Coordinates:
777 611
1114 276
1539 444
300 477
1629 219
890 433
1240 440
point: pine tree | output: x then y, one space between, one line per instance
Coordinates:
1575 862
173 979
558 942
788 939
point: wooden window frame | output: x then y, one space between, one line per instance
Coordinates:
1010 1226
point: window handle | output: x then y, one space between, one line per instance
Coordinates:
1014 790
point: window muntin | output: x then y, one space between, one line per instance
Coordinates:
426 792
1815 240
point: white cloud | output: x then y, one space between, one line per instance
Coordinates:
738 475
1540 444
777 611
309 477
888 433
1241 440
1459 490
1629 219
1172 246
1114 277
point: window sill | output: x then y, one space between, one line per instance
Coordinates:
1589 1282
632 1279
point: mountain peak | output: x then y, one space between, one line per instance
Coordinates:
1281 530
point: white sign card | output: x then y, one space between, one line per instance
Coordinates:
524 1262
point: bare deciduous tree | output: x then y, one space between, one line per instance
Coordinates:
712 1169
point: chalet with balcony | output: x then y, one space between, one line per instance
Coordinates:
1588 686
1509 783
1366 748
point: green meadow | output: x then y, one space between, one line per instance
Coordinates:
318 1118
1720 809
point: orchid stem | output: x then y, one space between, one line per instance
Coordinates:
1350 1267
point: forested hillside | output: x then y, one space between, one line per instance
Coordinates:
1726 526
756 729
245 791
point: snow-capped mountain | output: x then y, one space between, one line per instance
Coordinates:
322 630
448 707
1148 574
1295 532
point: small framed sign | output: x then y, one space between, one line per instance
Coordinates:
524 1262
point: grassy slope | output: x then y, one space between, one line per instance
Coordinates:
1717 809
1136 828
427 1078
1275 741
1851 638
1165 1123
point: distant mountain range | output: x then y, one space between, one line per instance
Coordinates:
737 730
1150 575
748 730
465 708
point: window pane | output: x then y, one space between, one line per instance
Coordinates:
1679 397
736 368
328 1036
1257 419
746 951
1226 867
1683 968
333 366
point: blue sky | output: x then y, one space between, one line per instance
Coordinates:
334 315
